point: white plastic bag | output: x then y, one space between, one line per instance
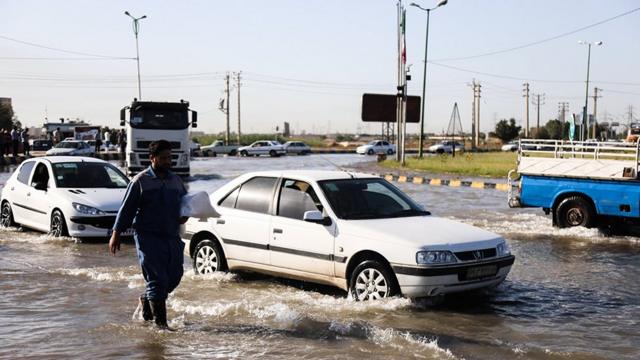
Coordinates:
197 205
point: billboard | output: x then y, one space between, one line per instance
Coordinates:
382 108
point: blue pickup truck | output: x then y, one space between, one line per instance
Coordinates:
580 184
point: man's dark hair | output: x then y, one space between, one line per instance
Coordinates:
156 147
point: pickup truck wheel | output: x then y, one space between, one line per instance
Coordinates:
233 152
244 153
208 258
372 280
272 153
574 211
58 227
6 215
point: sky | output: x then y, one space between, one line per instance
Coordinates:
309 62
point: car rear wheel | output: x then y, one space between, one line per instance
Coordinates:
58 227
372 280
370 152
574 211
272 153
6 215
390 152
208 258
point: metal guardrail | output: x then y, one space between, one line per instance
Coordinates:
578 149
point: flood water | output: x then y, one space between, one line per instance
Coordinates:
571 294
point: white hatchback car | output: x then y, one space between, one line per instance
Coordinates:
376 147
64 196
353 231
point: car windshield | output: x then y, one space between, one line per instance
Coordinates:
372 142
358 199
88 175
68 145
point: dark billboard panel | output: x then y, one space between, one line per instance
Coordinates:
382 108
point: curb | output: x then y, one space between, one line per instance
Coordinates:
420 180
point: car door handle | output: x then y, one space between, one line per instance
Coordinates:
277 231
220 221
28 194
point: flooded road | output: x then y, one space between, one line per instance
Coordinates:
572 294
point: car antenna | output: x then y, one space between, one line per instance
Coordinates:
338 167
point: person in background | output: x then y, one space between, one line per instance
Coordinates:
152 206
15 141
122 141
1 145
25 141
56 136
6 135
98 144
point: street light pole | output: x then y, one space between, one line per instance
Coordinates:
424 74
585 119
136 28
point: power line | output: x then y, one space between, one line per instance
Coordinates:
541 41
64 50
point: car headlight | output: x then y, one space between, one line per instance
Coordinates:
184 159
89 210
435 257
503 249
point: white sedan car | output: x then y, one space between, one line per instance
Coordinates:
446 147
296 147
264 147
377 147
64 196
72 148
353 231
510 146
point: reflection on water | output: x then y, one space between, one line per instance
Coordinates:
572 294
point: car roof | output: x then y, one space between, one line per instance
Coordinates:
68 159
311 175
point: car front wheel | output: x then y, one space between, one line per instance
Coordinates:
6 215
244 153
208 258
58 227
372 280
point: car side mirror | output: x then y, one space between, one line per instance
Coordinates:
194 119
316 217
122 116
40 185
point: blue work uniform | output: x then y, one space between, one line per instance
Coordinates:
152 207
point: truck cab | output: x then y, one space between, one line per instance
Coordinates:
150 121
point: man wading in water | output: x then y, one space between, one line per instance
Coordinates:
152 205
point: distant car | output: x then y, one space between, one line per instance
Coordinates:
263 147
297 147
65 196
376 147
353 231
218 148
40 144
194 147
510 146
72 148
446 147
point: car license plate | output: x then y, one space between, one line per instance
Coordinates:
481 271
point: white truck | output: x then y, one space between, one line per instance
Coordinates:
150 121
218 148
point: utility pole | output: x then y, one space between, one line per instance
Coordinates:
630 113
526 102
477 104
225 109
238 84
227 134
473 116
595 110
136 29
538 100
562 111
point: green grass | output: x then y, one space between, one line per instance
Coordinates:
493 164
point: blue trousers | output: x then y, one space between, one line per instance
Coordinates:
161 259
